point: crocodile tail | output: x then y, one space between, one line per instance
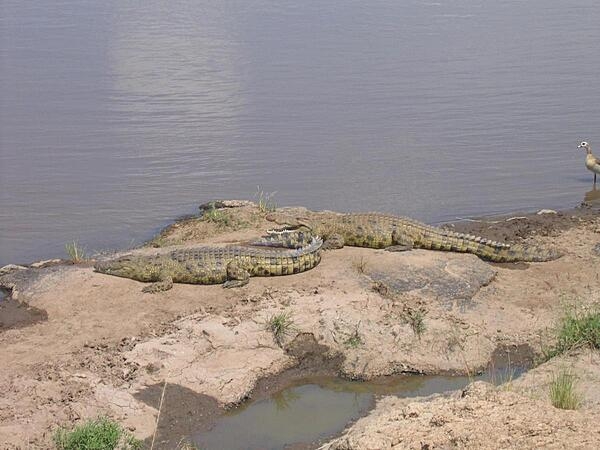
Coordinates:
521 252
485 248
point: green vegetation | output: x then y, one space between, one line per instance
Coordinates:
354 340
75 251
97 434
562 391
578 328
280 325
265 201
216 216
416 319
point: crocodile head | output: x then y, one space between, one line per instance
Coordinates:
139 268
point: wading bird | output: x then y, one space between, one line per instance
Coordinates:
591 162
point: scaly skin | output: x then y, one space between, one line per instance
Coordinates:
374 230
233 266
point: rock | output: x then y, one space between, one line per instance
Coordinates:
46 263
11 268
448 278
545 211
596 249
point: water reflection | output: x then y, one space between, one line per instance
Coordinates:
593 196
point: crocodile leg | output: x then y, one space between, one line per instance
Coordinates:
164 283
237 276
402 242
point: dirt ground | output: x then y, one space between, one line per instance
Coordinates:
83 343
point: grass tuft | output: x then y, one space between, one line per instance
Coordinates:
216 216
281 325
562 391
265 201
578 328
75 251
354 339
416 319
97 434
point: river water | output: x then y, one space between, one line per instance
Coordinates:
118 116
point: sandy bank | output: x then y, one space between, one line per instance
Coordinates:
105 345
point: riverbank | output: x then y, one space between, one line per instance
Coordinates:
104 347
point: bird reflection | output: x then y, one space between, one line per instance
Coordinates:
593 196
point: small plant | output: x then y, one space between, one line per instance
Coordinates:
354 340
216 216
265 201
562 391
578 328
184 444
416 319
360 265
97 434
280 325
75 251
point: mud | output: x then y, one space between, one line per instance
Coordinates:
14 314
518 227
183 412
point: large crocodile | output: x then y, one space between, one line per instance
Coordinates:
376 230
232 265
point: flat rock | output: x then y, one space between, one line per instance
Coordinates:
449 278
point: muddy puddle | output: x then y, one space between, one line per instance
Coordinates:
14 314
307 411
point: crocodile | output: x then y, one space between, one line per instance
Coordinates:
231 265
394 233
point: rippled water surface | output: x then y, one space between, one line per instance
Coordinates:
117 116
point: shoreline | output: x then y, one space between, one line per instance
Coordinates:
84 360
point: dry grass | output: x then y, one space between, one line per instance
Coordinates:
265 200
75 251
360 265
